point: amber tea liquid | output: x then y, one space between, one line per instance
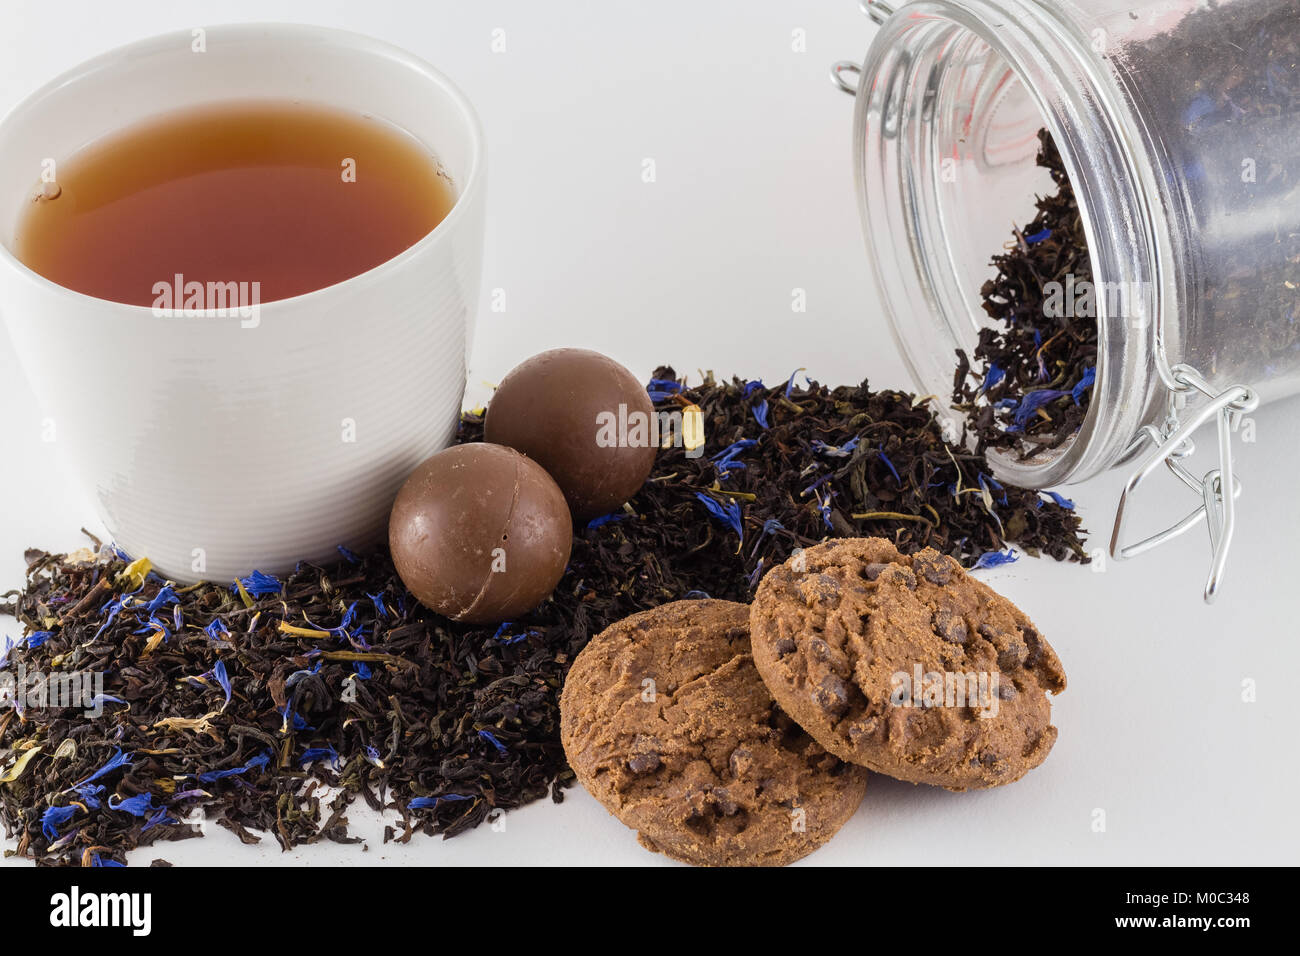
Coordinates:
293 196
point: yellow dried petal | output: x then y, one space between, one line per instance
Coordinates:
692 427
133 575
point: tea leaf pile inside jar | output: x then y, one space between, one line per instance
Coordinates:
1034 367
1220 93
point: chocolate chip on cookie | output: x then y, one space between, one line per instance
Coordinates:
906 664
667 723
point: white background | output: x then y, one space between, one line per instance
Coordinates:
754 198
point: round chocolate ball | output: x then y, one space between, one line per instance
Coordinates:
582 417
480 533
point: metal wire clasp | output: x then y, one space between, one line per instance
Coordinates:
1173 443
840 70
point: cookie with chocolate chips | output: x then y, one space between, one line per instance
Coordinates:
906 665
666 722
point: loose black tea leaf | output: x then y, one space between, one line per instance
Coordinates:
268 706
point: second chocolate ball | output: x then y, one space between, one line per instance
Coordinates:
480 533
561 408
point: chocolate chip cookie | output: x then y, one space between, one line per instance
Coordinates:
666 722
906 665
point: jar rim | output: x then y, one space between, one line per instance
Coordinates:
1101 145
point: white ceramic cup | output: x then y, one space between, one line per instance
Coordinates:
211 445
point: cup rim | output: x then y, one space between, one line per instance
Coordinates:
358 42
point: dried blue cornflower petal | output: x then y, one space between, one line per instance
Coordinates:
351 557
880 451
1038 237
988 481
372 755
37 638
65 841
313 754
728 514
606 519
259 584
219 674
1064 502
189 795
502 636
140 805
113 608
217 629
661 389
815 485
361 669
349 621
836 451
789 385
993 376
728 454
153 625
290 717
428 803
491 738
995 559
115 762
164 597
759 408
1085 383
256 763
104 861
377 599
55 817
1032 402
298 675
158 819
770 526
89 794
824 506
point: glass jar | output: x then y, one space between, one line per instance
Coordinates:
1179 125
